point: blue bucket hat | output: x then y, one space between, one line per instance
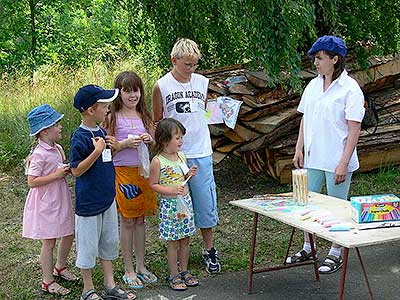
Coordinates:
90 94
42 117
329 43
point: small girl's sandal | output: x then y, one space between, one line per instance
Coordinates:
65 274
189 279
177 283
54 288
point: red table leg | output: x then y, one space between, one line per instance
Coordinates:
290 244
314 254
252 251
343 275
365 274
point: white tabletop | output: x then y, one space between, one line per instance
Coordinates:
340 209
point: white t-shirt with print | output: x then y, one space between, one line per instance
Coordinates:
185 102
325 121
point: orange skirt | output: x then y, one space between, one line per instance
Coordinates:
134 196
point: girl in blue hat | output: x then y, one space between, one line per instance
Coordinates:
333 107
48 208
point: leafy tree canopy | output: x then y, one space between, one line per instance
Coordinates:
270 34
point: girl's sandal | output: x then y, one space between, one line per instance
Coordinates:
54 288
147 278
189 279
65 274
177 283
135 283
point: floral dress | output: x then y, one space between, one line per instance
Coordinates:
174 225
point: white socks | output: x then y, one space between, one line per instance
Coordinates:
335 251
307 247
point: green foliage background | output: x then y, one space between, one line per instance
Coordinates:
270 33
48 49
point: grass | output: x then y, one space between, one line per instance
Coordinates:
20 274
54 85
20 269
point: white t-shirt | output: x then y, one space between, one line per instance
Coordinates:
185 102
325 121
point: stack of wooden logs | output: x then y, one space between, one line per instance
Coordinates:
266 130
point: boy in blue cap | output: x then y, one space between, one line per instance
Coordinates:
96 223
333 108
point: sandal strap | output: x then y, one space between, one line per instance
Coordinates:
59 271
336 259
64 273
187 275
176 279
47 285
334 262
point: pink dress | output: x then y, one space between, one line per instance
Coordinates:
48 208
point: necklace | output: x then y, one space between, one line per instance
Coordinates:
180 83
128 122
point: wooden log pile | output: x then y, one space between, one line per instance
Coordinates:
266 130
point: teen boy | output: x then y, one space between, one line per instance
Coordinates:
182 94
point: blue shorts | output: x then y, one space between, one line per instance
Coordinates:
204 194
96 236
316 179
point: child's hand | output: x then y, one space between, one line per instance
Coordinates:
146 138
133 141
178 190
112 142
99 143
192 171
62 171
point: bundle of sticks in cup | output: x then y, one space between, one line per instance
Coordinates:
300 186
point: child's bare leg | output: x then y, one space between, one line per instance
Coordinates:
207 236
108 273
46 259
87 279
184 250
139 241
127 232
63 250
172 255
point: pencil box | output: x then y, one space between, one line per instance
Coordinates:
375 208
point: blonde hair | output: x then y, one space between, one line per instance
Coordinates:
185 47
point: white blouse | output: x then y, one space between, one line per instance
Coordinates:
325 121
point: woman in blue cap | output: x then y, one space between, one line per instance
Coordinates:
333 107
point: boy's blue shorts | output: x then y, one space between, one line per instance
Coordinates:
204 194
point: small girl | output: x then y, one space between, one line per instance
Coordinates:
168 176
48 208
131 124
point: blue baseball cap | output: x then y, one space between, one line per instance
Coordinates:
42 117
329 43
90 94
